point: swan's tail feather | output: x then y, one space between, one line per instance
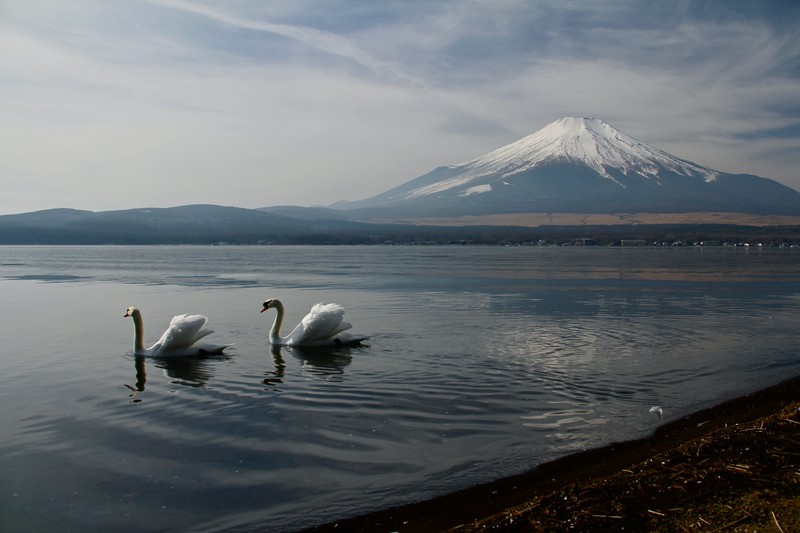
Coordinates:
346 339
213 350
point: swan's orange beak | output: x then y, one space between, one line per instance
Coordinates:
264 308
126 314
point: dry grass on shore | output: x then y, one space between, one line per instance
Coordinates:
626 219
745 477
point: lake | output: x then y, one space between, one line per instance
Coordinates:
483 362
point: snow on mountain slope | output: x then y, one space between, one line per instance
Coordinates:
580 165
587 141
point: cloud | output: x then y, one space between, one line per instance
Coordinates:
243 135
123 104
327 42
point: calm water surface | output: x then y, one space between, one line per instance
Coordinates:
483 362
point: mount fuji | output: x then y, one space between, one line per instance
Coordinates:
579 165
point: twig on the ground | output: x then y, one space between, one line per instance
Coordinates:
729 524
775 519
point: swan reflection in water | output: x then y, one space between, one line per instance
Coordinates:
323 362
188 371
318 361
273 378
141 379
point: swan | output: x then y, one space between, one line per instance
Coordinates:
322 326
180 339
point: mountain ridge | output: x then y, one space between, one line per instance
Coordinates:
579 165
578 173
587 141
186 224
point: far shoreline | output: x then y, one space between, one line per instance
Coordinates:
486 500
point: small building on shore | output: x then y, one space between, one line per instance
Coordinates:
633 242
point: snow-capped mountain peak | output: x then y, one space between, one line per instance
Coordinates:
590 141
587 141
580 165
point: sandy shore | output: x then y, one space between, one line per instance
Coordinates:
733 467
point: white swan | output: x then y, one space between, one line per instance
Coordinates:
322 326
180 339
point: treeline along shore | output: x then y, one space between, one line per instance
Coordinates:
671 235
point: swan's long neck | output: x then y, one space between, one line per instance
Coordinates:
138 336
275 332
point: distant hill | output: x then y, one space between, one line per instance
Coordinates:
191 224
578 165
308 213
212 224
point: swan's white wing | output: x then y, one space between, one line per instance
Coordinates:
319 326
183 332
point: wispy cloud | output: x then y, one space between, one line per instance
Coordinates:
258 103
324 41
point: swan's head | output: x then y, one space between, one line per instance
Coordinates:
269 304
131 311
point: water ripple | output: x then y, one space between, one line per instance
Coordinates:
483 362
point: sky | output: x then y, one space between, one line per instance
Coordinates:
253 103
